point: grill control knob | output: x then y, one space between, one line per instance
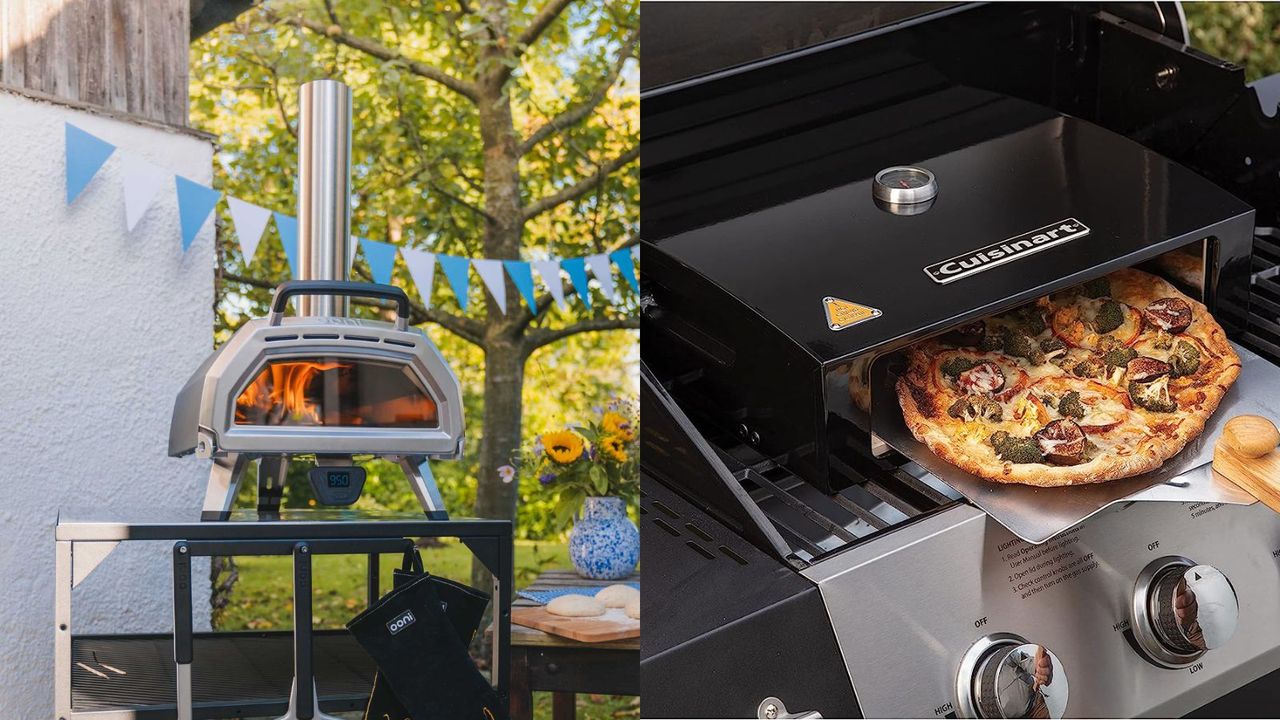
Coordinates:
1004 676
1182 610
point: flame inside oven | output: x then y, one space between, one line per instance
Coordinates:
332 391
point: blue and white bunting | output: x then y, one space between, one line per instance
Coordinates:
577 269
522 276
603 270
250 222
490 272
288 228
86 154
143 181
455 271
626 266
422 268
549 271
195 204
381 257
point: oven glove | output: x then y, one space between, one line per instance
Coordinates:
462 603
421 659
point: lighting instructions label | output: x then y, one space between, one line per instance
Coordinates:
1032 569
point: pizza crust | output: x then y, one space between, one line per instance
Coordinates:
963 443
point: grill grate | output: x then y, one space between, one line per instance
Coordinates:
881 495
1262 333
234 674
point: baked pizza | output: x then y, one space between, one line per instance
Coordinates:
1099 382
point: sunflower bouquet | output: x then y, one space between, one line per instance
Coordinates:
599 459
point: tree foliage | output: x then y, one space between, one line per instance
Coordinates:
1246 33
481 129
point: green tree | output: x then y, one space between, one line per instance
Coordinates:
1246 33
482 128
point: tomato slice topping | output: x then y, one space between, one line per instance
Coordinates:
1069 325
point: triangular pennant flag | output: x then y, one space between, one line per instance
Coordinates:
142 181
603 270
85 155
352 246
288 228
549 270
577 269
250 221
490 271
422 268
627 266
195 203
522 275
381 257
455 270
635 253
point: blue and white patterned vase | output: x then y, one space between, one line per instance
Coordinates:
604 543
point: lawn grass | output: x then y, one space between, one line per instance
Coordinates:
262 599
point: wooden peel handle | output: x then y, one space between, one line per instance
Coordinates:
1250 436
1246 455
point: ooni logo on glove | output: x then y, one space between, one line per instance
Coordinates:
402 621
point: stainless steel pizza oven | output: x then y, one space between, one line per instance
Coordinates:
823 186
321 385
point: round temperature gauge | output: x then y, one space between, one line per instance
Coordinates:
904 185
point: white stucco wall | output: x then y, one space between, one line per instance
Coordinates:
99 328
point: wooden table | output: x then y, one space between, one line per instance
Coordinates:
564 667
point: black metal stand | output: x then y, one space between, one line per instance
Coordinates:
300 534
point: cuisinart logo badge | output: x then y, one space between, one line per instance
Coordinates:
1016 247
402 621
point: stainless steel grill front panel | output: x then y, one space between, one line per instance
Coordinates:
905 608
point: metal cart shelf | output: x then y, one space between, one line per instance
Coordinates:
242 674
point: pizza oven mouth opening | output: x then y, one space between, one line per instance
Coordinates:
1189 268
331 391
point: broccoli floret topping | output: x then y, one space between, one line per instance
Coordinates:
1015 449
1185 359
1052 346
1108 342
1153 396
1070 406
952 367
1100 287
1119 357
1089 368
1110 316
1163 340
1022 346
1029 319
991 341
973 407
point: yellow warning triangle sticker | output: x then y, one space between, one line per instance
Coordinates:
842 313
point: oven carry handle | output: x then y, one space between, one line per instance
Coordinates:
349 288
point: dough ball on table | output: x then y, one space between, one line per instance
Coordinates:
616 596
633 607
575 606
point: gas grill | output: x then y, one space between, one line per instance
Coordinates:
824 185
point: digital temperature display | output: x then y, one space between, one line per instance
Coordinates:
339 485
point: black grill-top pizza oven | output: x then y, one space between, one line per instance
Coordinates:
824 185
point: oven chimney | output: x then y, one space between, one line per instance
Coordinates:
324 191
